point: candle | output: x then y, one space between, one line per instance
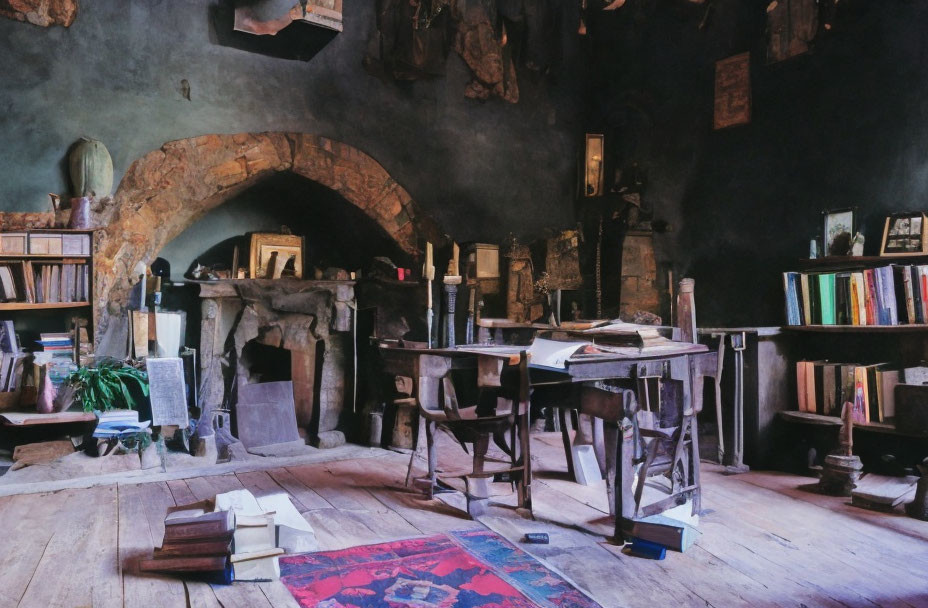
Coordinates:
455 254
428 269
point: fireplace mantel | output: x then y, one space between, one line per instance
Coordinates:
226 288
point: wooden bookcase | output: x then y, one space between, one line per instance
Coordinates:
25 251
904 344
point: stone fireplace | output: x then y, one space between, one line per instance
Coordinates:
172 188
169 189
266 330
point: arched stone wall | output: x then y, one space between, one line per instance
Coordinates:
169 189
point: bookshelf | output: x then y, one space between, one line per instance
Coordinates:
46 280
869 314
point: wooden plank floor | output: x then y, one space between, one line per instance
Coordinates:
764 541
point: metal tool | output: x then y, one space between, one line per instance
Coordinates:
737 457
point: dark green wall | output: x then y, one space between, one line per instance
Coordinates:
845 125
481 169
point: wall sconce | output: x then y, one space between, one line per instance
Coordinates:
593 165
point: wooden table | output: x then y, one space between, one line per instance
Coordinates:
685 363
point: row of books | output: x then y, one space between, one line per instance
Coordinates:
888 295
44 243
824 387
35 282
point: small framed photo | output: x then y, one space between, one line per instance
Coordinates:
838 231
275 256
905 234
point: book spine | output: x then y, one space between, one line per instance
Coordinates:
909 295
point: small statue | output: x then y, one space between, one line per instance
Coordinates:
857 245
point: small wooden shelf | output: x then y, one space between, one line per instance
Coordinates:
821 420
41 306
79 258
841 262
858 329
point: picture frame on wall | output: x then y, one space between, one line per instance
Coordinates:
905 234
838 229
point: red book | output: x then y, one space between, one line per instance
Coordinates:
870 298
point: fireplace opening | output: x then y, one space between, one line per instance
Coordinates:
266 363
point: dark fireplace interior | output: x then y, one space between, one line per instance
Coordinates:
266 363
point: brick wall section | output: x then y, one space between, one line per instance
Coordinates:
639 275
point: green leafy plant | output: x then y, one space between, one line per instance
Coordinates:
108 385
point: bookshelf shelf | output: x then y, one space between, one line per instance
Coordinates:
851 262
874 427
857 329
80 257
41 306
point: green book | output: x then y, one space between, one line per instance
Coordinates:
827 295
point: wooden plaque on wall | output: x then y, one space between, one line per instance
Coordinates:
733 91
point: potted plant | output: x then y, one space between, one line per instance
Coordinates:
109 384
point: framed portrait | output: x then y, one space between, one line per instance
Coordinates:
274 256
838 228
905 234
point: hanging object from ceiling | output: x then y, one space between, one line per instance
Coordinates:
791 27
271 16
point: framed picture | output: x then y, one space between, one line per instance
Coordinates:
838 229
905 234
271 256
593 165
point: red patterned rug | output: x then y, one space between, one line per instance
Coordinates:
466 569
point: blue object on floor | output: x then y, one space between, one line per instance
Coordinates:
646 549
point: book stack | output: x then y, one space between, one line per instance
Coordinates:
197 543
119 424
245 547
824 387
59 344
888 295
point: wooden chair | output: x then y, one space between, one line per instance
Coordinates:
506 422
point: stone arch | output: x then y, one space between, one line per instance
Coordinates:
169 189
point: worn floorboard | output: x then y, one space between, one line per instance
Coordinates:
764 541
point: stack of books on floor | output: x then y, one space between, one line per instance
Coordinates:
825 386
197 543
889 295
236 537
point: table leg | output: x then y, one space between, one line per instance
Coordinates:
563 415
525 494
611 440
624 474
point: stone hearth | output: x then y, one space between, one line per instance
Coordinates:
311 319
